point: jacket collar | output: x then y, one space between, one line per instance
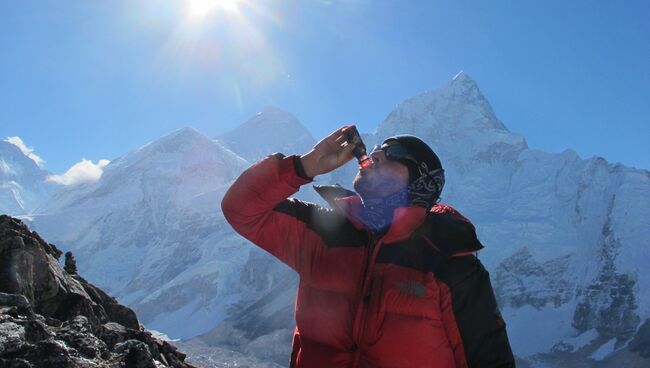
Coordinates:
405 219
445 221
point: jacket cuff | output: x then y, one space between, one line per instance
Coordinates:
300 170
292 172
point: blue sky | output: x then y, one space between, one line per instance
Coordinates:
95 79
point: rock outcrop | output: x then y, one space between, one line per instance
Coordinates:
50 317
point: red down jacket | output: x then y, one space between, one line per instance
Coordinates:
416 297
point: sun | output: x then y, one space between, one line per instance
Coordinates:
199 9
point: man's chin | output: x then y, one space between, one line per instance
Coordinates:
364 185
359 183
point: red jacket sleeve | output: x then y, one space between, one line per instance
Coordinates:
250 202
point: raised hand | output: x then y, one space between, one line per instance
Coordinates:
330 153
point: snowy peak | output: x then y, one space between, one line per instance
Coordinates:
181 150
180 166
458 104
26 151
272 111
270 130
183 135
14 161
178 141
22 181
455 117
462 77
186 144
272 116
462 80
463 90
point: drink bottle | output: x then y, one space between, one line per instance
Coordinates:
352 137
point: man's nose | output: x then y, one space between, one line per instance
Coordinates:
377 156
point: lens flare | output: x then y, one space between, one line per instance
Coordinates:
220 43
200 9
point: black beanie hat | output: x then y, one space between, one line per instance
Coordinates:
426 179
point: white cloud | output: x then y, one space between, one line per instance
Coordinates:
84 171
27 151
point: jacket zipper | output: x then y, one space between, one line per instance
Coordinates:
371 248
364 294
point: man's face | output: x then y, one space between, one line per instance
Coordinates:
381 179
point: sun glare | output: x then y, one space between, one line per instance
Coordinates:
200 9
225 39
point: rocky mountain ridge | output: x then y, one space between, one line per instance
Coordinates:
51 317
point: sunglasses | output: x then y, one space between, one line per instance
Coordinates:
395 152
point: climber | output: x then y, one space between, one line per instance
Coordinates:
388 276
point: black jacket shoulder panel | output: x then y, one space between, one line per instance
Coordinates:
450 234
478 318
331 193
413 253
331 226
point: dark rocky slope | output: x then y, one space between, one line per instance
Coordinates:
51 317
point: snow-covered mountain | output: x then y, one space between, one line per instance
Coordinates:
566 238
271 130
23 185
151 233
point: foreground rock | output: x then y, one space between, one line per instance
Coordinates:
54 318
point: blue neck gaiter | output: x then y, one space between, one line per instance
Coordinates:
377 213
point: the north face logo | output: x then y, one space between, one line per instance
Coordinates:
412 287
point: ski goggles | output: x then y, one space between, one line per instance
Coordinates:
396 152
